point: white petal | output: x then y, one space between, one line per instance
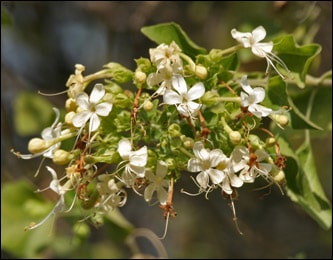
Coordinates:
154 79
261 155
82 100
47 133
124 148
203 178
81 118
148 193
200 152
138 170
215 157
244 99
266 47
259 111
94 122
215 175
103 109
139 157
245 85
258 94
162 195
161 168
196 91
192 106
259 34
184 110
179 84
170 97
243 38
97 93
235 180
265 167
194 165
226 186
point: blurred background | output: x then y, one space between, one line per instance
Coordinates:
41 41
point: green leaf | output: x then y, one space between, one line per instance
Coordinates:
322 109
297 58
168 32
19 207
303 183
278 95
32 113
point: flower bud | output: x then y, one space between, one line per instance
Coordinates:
140 77
71 104
255 141
200 72
270 141
171 163
62 157
37 145
119 73
174 130
148 105
188 142
235 137
280 119
279 176
69 118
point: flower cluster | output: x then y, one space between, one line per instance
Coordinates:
192 117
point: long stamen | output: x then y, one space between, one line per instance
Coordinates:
53 94
234 213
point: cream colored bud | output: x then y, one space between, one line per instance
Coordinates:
280 119
148 105
188 142
279 176
270 141
69 118
37 145
171 163
70 104
235 137
140 77
201 72
61 157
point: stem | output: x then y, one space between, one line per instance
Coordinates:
228 99
231 49
184 151
226 127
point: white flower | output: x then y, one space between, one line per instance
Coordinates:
163 78
91 109
182 98
135 161
256 167
111 195
206 162
47 134
252 97
235 163
260 49
60 190
230 180
157 183
167 55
